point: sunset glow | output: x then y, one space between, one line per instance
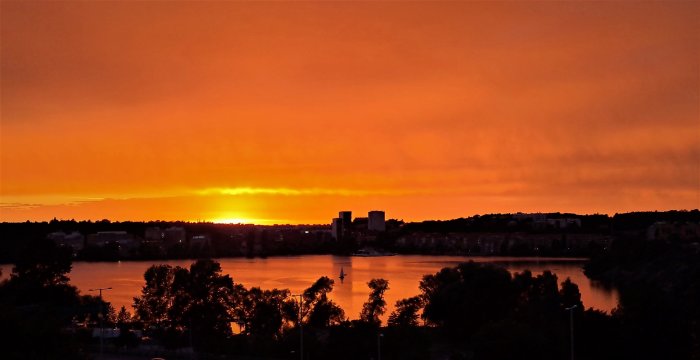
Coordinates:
232 221
289 112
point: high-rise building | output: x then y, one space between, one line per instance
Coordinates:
376 221
337 228
346 217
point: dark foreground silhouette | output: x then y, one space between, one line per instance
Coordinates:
471 311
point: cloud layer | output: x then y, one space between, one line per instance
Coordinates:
428 110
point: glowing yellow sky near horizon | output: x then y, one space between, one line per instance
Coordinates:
290 112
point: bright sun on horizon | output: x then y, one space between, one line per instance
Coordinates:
233 221
298 110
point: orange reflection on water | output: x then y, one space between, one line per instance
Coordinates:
296 273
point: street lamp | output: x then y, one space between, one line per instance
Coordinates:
101 316
301 327
379 346
571 326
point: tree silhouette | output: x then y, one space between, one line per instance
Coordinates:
569 295
209 299
464 298
37 303
406 313
375 305
198 300
152 307
319 311
538 298
326 313
264 315
123 317
42 263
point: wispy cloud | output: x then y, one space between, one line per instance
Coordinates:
302 191
13 206
33 201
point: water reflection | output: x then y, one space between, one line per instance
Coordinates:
298 272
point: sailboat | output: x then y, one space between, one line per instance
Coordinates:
342 274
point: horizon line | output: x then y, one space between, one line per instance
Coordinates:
244 223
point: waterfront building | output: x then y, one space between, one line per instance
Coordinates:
153 233
200 242
337 228
346 220
75 240
174 235
102 238
376 221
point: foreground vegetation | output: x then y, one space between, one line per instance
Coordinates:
471 311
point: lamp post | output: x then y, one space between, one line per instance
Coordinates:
101 316
379 346
571 327
301 327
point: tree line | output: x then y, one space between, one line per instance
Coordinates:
470 311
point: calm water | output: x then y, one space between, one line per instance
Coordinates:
298 272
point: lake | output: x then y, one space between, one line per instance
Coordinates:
296 273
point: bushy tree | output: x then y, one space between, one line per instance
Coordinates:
538 296
209 302
406 313
199 300
153 306
123 317
569 295
43 264
264 316
464 298
37 303
375 305
319 310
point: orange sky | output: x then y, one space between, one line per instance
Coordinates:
289 112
